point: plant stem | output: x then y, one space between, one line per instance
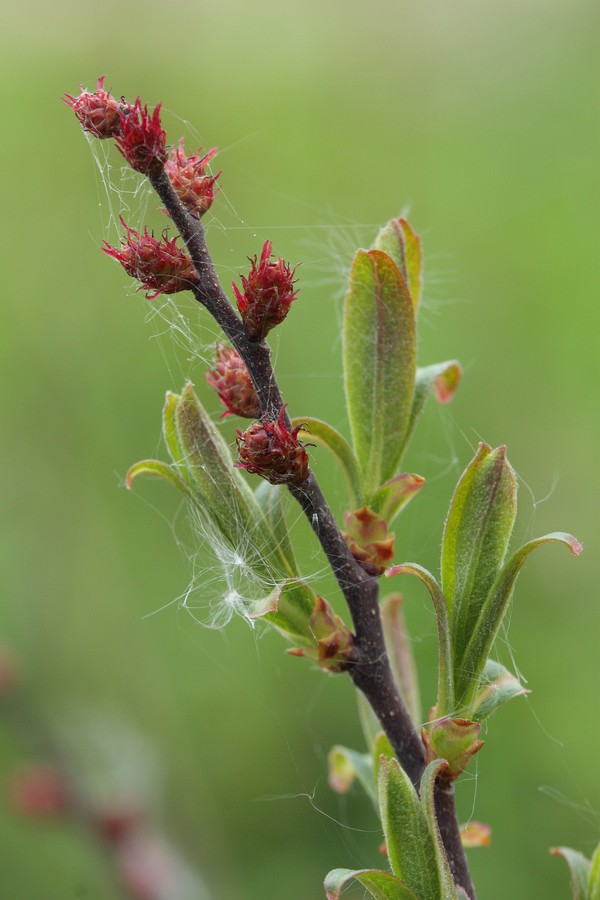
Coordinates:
371 672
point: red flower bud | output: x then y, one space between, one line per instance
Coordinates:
233 384
161 266
267 296
193 186
141 138
273 451
97 111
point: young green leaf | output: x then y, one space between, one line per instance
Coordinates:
594 882
289 609
494 609
210 465
441 378
580 869
399 241
445 699
391 498
447 889
324 435
379 363
476 535
496 686
270 499
381 885
161 470
410 844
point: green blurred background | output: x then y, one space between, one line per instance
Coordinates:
331 117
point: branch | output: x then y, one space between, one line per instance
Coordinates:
371 672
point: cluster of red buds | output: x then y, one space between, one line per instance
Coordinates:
233 384
273 451
160 266
141 139
187 174
268 292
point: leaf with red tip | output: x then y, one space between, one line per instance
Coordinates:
399 241
391 498
445 700
580 869
442 379
345 766
160 470
381 885
494 609
379 363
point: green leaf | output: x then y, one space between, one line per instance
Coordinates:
160 470
210 465
381 885
447 887
445 699
476 535
496 687
400 653
494 609
410 845
270 499
580 869
594 882
379 363
170 433
346 765
289 609
389 499
441 378
399 241
325 435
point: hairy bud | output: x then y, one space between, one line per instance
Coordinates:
97 111
193 186
141 138
273 451
161 266
267 294
232 382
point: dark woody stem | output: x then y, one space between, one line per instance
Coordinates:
370 671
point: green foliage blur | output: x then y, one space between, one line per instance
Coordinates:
331 117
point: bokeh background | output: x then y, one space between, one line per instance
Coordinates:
332 117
